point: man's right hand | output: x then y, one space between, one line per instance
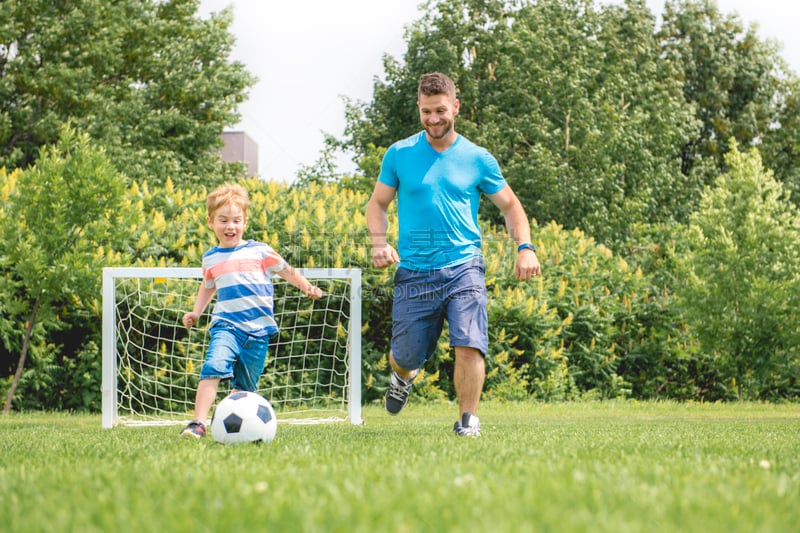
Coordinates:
383 256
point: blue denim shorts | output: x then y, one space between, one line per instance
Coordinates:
424 300
235 355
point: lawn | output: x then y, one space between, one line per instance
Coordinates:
596 466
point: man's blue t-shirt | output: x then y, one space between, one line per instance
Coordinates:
437 199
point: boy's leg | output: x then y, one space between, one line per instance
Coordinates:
206 393
204 399
250 364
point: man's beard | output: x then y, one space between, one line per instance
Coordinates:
446 129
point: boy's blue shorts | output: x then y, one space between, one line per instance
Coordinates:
422 302
235 355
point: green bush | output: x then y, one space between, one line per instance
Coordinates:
589 326
592 326
741 279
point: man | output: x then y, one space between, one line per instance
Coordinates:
438 177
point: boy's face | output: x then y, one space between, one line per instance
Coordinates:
228 223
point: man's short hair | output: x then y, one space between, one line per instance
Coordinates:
435 83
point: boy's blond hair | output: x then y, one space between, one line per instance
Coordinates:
230 193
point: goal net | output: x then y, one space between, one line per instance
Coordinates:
151 362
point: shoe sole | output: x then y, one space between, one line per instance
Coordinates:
461 431
395 413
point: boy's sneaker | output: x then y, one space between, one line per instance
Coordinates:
397 393
468 426
194 429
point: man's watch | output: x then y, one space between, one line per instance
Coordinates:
526 246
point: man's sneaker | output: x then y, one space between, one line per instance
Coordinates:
194 429
468 426
397 393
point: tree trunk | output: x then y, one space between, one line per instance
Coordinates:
22 356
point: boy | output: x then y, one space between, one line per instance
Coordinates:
242 320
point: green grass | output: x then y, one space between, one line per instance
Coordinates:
596 467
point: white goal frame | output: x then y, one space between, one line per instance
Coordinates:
111 356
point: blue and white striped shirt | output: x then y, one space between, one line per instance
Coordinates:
242 277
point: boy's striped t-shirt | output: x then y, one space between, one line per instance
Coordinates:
242 277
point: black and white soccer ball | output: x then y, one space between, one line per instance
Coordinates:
243 417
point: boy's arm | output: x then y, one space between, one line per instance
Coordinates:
298 280
204 295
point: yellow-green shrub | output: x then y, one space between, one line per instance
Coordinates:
589 326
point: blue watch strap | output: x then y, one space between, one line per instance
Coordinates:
526 246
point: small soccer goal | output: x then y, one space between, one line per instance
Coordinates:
151 362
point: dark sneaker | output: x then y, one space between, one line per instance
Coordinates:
468 426
397 393
194 429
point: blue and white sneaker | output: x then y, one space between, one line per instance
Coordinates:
468 426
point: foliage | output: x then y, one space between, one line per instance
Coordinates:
781 145
742 280
324 170
607 129
58 213
149 81
568 96
737 82
599 120
593 326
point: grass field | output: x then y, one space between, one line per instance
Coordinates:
616 467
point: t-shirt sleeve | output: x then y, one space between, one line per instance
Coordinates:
272 261
208 281
208 278
388 175
493 180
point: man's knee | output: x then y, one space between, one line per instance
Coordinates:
468 353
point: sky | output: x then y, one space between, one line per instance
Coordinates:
308 54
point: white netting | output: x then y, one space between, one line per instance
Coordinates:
307 376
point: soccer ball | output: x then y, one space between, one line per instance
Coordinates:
243 417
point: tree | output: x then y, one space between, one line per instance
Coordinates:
781 144
742 280
735 80
149 80
572 99
62 209
600 121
